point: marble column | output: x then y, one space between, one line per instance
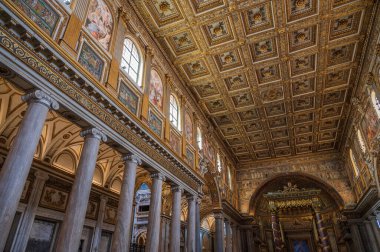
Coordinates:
123 228
276 230
153 236
249 237
99 224
72 225
239 246
191 202
30 212
375 229
175 228
234 238
356 238
218 232
17 164
228 236
371 237
323 237
198 242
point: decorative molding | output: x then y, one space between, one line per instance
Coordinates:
157 175
95 133
132 158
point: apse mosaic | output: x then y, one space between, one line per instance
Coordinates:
128 97
99 22
91 61
218 32
266 66
40 12
156 90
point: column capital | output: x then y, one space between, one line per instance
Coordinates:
176 188
218 215
191 197
41 175
93 132
158 175
132 158
38 96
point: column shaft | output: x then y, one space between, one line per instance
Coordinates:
99 224
375 229
154 220
17 164
191 224
239 247
371 236
72 225
175 229
234 238
26 224
228 237
198 243
276 232
323 237
122 235
356 238
218 232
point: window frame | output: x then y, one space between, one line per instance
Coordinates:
175 121
125 69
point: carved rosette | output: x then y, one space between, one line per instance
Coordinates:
95 133
38 96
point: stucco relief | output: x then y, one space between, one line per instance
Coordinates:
329 171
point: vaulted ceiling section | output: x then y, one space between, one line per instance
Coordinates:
275 77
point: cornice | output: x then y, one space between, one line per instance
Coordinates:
86 92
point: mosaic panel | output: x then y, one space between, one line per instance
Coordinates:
128 97
91 61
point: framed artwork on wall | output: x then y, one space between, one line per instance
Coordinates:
128 97
155 123
91 61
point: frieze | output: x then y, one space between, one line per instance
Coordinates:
40 65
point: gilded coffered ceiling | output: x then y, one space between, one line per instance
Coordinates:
275 77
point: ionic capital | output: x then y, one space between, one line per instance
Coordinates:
93 132
157 175
132 158
176 188
38 96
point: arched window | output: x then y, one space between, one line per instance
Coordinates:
354 163
361 141
218 162
199 139
174 112
131 61
375 103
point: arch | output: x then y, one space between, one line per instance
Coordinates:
131 61
375 103
98 176
156 90
99 22
141 238
354 163
116 185
275 179
174 112
66 160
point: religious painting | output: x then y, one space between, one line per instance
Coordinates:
99 22
156 90
190 157
91 61
370 123
41 236
188 127
128 97
208 150
40 12
175 142
155 123
54 199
